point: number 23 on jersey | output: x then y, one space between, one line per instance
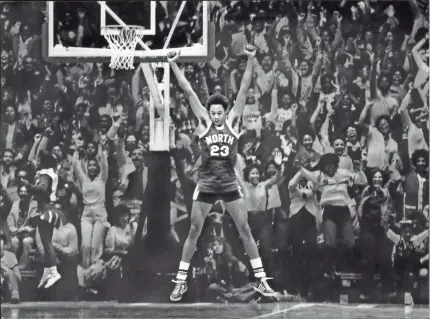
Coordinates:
217 151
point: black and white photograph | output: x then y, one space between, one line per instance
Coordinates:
214 159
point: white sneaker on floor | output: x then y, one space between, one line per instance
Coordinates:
264 288
53 278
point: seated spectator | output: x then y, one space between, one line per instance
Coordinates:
118 241
19 225
121 235
228 277
10 275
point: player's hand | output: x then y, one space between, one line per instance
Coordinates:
278 158
173 56
249 50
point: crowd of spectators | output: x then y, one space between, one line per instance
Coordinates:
344 78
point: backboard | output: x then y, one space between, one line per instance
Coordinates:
74 29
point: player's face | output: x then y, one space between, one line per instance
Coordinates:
217 114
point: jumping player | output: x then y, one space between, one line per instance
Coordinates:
47 216
217 178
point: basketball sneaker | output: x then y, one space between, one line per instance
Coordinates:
53 277
45 277
179 291
264 288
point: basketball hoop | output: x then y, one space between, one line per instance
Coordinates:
122 42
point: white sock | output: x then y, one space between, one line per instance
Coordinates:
183 271
257 266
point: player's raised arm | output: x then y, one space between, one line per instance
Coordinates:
240 102
196 106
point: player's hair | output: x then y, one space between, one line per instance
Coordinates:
217 99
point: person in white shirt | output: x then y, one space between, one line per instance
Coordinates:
337 223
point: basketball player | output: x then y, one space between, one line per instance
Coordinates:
47 216
217 178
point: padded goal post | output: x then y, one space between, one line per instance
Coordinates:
159 105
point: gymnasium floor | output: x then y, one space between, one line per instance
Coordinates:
80 310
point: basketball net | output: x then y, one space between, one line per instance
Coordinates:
122 42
